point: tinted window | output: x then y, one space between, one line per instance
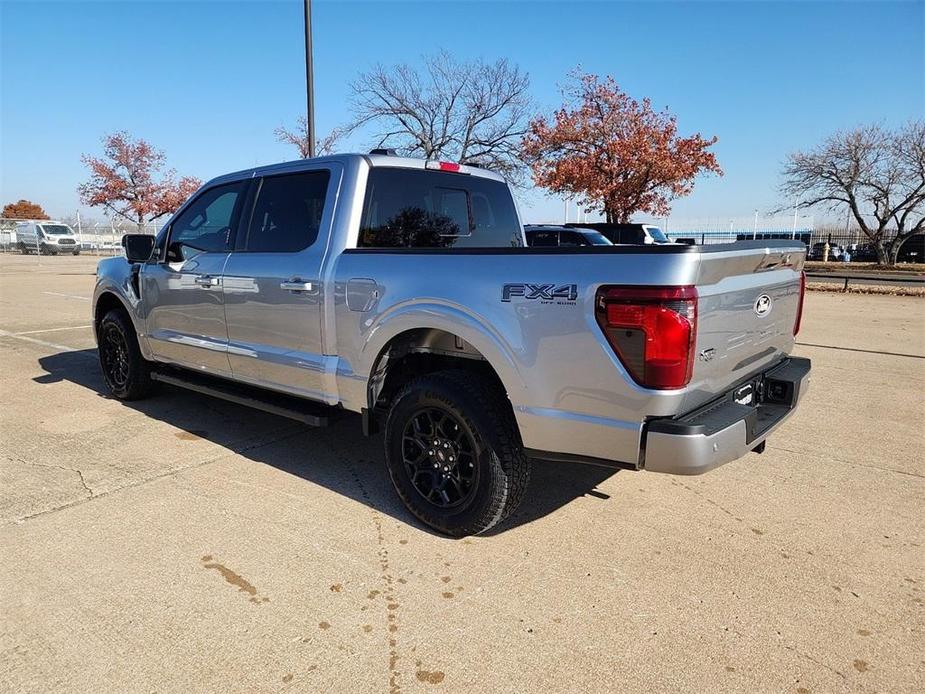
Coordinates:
596 238
287 212
206 224
429 209
543 238
570 239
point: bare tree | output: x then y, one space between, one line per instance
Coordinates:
298 137
472 112
877 174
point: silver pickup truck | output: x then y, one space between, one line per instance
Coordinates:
403 290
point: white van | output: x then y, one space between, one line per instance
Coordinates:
47 238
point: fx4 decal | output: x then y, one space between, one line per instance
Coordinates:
545 293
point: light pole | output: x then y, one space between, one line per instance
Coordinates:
309 80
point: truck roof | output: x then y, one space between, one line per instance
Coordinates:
372 160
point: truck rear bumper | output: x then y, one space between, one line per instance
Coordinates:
725 429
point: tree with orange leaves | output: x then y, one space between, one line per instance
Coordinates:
23 209
616 154
127 180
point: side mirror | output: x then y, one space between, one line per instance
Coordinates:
138 247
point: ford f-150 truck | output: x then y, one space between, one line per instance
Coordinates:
403 290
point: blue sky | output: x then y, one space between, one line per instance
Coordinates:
208 82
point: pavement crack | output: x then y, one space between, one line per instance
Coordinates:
853 463
388 580
710 501
80 475
169 473
818 662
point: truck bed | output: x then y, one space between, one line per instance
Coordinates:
569 390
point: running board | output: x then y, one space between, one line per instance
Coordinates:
308 412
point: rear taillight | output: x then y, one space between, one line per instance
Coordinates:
652 330
796 323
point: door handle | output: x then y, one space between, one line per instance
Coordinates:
206 281
296 285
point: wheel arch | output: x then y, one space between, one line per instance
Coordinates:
418 351
106 301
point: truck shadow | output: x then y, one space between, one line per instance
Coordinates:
337 457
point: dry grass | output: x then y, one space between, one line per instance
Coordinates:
833 266
865 289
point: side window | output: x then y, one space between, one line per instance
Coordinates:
570 239
206 225
545 239
411 208
287 212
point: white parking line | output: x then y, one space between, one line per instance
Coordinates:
43 343
50 330
68 296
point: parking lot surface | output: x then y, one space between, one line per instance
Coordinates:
186 544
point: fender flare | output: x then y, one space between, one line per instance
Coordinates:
449 318
108 288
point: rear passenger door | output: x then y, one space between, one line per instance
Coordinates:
273 287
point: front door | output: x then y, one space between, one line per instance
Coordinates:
182 290
272 284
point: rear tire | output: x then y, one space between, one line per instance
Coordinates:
454 454
126 372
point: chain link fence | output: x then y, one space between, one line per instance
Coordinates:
845 243
50 237
725 230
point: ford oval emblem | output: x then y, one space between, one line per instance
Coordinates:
763 305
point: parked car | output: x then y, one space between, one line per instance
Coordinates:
47 238
548 235
402 290
627 233
817 251
912 250
861 253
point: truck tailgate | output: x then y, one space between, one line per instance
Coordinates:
748 303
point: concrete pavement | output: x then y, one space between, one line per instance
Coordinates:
185 544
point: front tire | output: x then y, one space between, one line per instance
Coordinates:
126 372
454 454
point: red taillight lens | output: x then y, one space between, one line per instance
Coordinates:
652 330
796 323
442 165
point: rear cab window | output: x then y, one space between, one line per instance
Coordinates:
413 208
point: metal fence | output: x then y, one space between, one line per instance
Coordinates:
844 243
95 238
